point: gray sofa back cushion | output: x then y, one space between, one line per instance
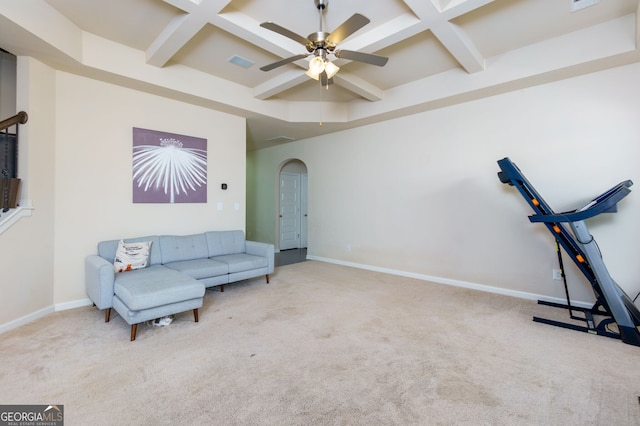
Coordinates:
225 242
107 249
175 248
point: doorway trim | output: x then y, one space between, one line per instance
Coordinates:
292 166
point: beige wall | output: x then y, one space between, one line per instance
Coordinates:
79 180
419 195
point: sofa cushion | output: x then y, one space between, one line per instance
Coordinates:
200 268
155 286
225 242
107 249
130 256
242 262
184 247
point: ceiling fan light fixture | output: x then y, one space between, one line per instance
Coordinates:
331 69
316 66
312 75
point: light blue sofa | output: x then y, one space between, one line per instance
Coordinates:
178 271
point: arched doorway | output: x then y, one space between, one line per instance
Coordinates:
292 206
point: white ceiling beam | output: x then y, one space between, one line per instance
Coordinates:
182 28
175 35
385 35
452 37
283 81
460 46
359 86
205 7
453 10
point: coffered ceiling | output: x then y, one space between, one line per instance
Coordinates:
440 52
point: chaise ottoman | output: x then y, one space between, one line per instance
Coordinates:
154 292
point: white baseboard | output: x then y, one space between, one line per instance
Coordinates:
73 304
26 319
43 313
456 283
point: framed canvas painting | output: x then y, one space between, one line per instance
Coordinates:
168 168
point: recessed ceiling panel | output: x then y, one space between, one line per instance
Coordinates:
412 59
505 25
209 51
131 23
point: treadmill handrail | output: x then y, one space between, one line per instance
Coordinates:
603 203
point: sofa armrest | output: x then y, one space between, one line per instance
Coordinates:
99 277
262 249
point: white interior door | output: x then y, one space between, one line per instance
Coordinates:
289 211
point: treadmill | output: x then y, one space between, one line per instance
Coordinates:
612 304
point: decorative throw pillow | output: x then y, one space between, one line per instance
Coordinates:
130 256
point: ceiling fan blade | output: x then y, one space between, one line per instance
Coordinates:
285 32
347 28
283 62
362 57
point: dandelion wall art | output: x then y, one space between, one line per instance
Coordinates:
168 168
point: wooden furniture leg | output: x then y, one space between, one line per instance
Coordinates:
267 278
107 315
195 314
134 328
221 288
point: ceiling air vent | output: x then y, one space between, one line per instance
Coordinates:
240 61
279 139
581 4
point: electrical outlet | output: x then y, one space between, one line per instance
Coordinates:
557 274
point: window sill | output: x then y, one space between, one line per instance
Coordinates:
12 216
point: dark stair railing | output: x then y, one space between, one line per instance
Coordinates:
10 155
19 118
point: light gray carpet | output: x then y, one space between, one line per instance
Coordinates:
327 345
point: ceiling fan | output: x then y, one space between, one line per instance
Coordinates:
320 44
